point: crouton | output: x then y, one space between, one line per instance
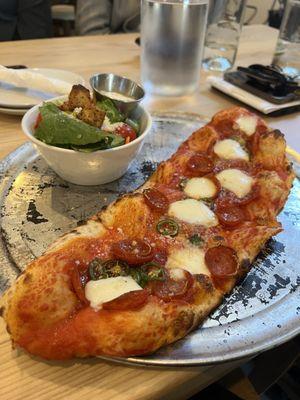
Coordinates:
65 106
92 116
79 97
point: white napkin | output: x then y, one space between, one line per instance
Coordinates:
262 105
28 79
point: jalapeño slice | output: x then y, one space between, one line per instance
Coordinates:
99 269
167 227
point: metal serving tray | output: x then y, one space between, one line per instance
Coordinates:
263 311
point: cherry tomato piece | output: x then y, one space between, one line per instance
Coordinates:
128 301
230 216
156 200
126 132
221 261
38 121
199 165
133 251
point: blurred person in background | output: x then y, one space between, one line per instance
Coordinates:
107 16
25 19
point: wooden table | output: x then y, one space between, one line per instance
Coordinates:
24 377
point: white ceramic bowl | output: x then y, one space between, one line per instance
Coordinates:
95 168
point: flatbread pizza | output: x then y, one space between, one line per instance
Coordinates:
149 268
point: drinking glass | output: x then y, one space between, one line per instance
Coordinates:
225 19
287 52
172 37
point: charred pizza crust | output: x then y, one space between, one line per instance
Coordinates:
43 312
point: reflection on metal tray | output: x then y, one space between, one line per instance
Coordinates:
263 311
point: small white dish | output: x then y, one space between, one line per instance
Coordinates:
87 169
12 97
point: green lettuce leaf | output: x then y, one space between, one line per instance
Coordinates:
112 113
58 128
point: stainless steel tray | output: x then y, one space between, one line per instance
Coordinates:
262 312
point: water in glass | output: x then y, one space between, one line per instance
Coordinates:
287 53
172 37
223 32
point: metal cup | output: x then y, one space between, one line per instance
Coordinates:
117 84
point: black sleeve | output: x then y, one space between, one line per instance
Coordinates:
34 19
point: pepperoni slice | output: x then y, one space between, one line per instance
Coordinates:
221 261
227 198
199 165
128 301
223 127
243 165
78 283
230 216
160 257
156 200
133 251
172 288
171 193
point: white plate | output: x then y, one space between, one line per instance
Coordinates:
13 111
12 97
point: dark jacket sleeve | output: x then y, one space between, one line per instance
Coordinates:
8 19
34 19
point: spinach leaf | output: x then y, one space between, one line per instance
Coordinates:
59 129
196 240
112 113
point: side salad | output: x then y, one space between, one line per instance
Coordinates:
83 124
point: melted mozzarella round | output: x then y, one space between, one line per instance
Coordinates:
193 212
230 150
236 181
103 290
200 188
190 258
247 124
